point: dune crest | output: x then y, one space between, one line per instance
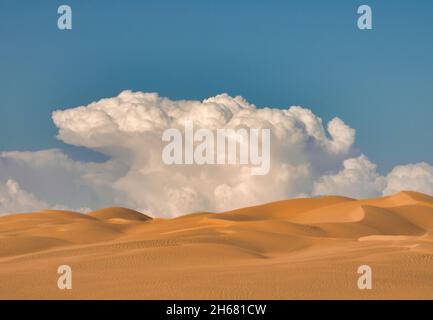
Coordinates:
119 213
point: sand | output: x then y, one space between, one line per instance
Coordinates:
293 249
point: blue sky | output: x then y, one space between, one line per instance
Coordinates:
274 53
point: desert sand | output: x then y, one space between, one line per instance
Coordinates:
293 249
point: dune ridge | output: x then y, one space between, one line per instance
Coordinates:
299 248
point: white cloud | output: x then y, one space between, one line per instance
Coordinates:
412 177
58 180
128 128
305 157
357 179
13 199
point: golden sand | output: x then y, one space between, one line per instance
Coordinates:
294 249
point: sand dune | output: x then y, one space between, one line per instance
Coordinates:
119 213
300 248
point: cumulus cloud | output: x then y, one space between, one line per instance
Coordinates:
307 157
413 177
13 199
128 128
60 181
358 179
